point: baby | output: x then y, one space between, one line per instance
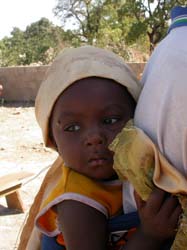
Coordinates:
88 96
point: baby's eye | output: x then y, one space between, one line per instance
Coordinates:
111 120
72 128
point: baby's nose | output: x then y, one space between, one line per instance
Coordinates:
95 138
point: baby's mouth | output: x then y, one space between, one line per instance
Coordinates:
100 161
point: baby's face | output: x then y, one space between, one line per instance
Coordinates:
85 120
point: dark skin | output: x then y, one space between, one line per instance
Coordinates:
159 220
85 120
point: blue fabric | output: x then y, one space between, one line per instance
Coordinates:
119 223
49 243
124 222
178 12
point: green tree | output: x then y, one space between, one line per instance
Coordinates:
43 41
85 14
150 18
96 22
118 23
12 49
39 43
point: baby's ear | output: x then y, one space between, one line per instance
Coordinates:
55 146
52 139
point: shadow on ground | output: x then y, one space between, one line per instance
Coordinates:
7 211
16 104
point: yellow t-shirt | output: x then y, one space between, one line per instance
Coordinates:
105 196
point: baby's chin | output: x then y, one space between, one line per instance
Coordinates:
98 175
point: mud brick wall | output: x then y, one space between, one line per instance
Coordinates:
22 83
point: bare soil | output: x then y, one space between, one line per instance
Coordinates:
21 149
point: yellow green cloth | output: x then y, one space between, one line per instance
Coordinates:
137 159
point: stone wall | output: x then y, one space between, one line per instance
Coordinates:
22 83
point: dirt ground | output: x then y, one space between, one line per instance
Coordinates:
21 148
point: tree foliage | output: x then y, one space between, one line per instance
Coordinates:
89 16
12 50
151 18
118 23
95 22
124 26
39 43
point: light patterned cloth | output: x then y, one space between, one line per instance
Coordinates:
70 66
30 236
